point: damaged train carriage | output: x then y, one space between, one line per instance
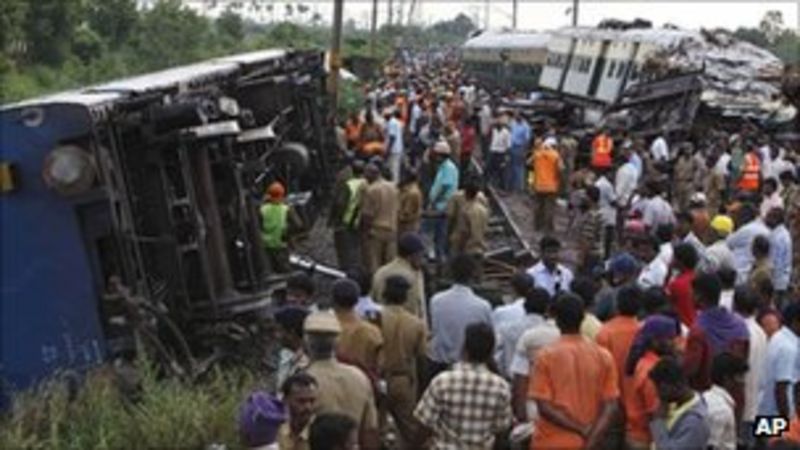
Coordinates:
133 205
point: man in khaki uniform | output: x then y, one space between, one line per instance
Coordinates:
379 206
405 338
407 264
343 388
469 224
410 212
360 342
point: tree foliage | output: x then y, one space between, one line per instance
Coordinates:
51 45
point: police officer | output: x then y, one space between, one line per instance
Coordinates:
404 338
343 388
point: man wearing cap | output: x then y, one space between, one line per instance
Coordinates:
277 220
718 253
342 388
407 264
379 207
260 416
547 166
444 186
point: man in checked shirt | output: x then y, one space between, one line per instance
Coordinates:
469 406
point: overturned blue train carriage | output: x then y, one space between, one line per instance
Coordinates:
137 200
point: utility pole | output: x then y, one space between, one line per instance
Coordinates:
373 28
391 13
515 8
574 13
335 61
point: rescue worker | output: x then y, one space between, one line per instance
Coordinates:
547 166
404 350
470 222
345 214
343 388
410 210
407 264
379 206
750 180
277 220
602 150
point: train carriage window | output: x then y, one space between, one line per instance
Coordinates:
611 67
621 69
634 72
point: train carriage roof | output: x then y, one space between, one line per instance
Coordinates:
105 93
491 40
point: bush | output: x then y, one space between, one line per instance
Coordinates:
167 413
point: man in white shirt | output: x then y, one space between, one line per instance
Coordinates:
521 285
654 273
659 149
498 154
508 334
549 274
608 208
394 144
485 118
741 241
656 210
781 370
726 371
745 303
625 183
771 197
523 363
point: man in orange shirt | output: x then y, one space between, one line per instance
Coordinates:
616 336
547 167
655 339
574 386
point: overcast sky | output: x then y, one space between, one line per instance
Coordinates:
546 14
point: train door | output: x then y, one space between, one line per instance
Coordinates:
599 69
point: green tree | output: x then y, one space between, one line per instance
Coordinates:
170 35
87 44
113 20
49 29
230 27
459 27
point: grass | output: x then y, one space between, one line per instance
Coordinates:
166 413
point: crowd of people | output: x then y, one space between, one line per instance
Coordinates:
675 325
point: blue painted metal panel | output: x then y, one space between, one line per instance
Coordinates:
49 312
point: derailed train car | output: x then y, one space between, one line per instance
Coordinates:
137 199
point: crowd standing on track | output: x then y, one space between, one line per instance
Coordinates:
676 325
